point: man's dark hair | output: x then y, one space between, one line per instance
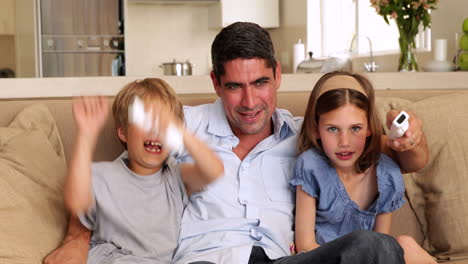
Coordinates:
242 40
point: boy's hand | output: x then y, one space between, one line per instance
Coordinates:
166 118
412 136
173 135
159 118
90 113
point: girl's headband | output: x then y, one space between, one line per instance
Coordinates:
341 81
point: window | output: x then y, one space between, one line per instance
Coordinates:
331 25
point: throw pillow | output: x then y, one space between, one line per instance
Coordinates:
33 218
438 193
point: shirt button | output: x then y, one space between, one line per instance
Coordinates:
255 235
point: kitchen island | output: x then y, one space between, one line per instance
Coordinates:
73 86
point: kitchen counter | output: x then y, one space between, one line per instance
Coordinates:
63 87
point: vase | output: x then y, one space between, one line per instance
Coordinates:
407 61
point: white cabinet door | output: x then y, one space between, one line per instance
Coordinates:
263 12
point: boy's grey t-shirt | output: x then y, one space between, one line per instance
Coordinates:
134 217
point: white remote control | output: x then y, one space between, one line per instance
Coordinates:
399 125
137 115
174 140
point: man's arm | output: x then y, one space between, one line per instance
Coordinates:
411 150
74 248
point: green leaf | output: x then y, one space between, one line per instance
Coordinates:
386 20
414 26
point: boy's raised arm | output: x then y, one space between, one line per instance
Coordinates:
90 115
207 167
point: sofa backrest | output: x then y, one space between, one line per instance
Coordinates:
108 145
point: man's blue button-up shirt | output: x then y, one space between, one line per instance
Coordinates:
252 204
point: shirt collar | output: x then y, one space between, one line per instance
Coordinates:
280 126
218 124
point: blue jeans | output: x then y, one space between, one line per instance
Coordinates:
363 247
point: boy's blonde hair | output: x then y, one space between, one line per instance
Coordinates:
148 89
322 103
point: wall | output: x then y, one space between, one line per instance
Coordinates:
18 47
7 52
7 34
447 20
7 17
148 45
26 39
293 26
161 33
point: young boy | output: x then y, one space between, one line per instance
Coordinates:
134 204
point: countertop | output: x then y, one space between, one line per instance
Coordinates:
65 87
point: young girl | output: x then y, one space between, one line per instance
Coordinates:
343 182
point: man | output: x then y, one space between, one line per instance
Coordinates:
247 216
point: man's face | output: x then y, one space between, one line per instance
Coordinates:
248 91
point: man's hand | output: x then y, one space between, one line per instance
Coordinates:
74 248
412 136
410 150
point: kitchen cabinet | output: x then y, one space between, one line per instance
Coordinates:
81 38
7 17
263 12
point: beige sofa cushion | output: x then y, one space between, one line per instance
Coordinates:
32 166
440 202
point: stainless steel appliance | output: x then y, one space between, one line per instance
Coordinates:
81 38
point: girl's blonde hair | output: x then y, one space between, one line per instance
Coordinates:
333 99
149 89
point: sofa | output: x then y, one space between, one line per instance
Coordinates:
36 137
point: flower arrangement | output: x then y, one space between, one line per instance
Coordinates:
408 15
